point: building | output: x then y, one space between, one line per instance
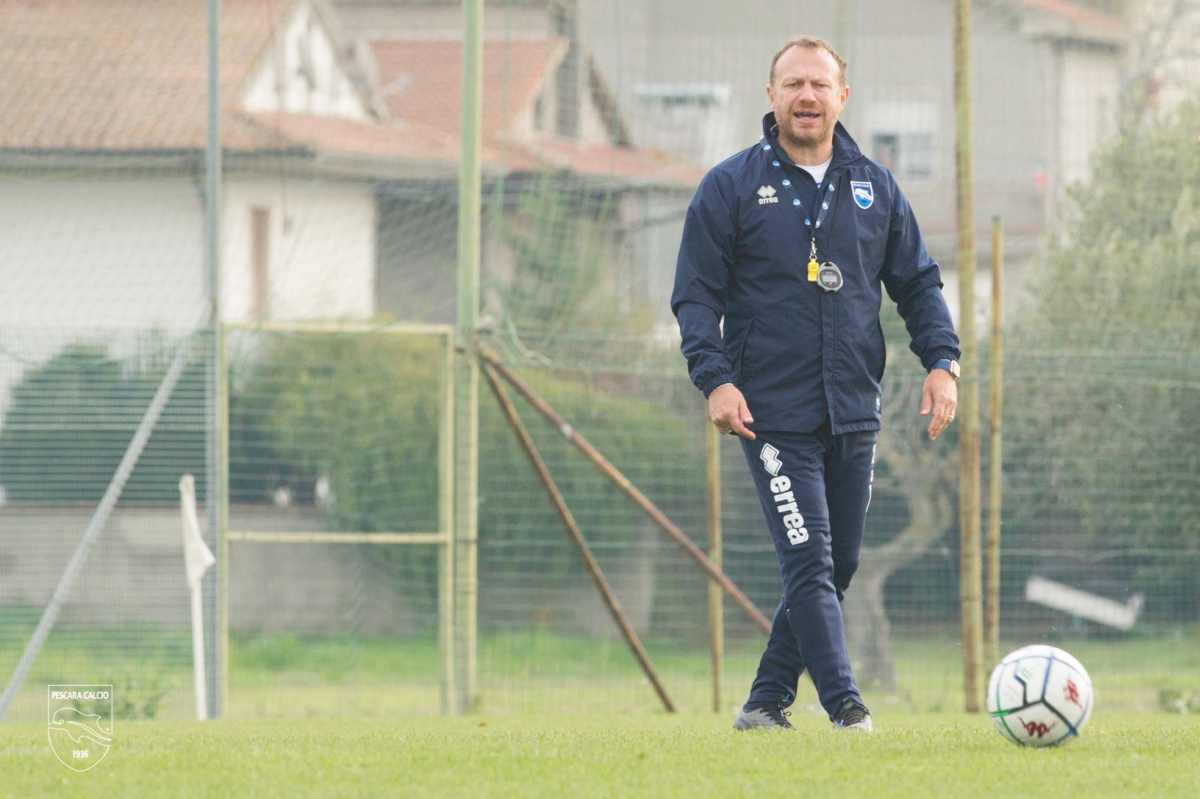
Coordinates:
689 78
549 109
103 155
1166 61
1046 77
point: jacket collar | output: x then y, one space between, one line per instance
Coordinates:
845 149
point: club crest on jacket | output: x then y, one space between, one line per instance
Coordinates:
863 193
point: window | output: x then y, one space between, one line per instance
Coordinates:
684 95
902 135
260 258
908 155
694 120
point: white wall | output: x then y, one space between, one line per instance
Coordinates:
1090 85
110 259
102 260
280 83
101 252
322 248
129 253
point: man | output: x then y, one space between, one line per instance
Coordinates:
788 241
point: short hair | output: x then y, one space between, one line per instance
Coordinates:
810 43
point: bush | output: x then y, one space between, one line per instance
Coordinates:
72 418
1107 356
361 413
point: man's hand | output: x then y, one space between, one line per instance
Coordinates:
939 395
727 409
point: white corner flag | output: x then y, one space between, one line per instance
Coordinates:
197 560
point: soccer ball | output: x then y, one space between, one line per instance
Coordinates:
1039 696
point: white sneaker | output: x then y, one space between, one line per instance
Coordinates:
853 716
762 718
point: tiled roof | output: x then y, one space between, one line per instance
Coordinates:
131 76
1079 20
421 79
628 164
120 74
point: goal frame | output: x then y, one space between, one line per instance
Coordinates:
443 537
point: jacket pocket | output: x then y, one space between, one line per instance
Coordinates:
882 352
739 358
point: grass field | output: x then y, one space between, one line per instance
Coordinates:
532 672
560 715
585 755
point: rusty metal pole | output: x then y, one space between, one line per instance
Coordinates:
716 607
622 482
585 552
991 619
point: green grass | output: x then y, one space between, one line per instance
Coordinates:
585 755
535 671
342 716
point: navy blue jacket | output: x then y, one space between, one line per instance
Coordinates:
799 354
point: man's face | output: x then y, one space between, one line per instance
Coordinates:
807 96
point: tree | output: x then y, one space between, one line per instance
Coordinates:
1108 344
562 244
1102 385
917 478
1166 50
360 413
72 418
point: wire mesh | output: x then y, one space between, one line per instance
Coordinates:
341 134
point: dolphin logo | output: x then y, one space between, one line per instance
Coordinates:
79 724
863 192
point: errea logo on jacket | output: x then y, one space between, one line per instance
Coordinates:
766 195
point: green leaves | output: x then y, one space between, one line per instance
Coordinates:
1103 371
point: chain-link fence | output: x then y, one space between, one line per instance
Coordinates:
341 133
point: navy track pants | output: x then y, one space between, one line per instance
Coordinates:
814 489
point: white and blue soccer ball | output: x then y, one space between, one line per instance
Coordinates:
1040 696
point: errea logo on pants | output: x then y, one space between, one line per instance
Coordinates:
785 503
785 500
770 459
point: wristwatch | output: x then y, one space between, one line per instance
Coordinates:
947 364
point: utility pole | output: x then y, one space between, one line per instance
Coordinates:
216 581
970 567
844 13
991 627
466 373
